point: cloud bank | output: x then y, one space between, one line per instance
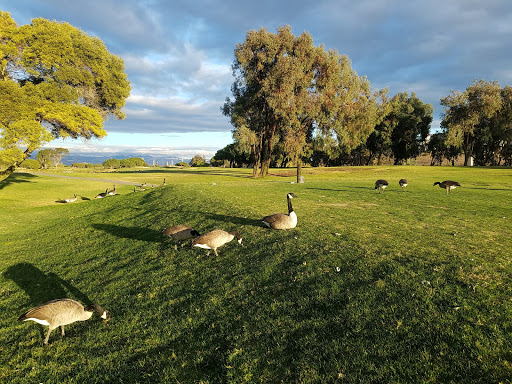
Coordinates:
178 54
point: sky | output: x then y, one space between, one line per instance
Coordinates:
178 56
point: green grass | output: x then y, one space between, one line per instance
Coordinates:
408 286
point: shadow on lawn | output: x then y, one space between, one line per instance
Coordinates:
42 287
16 178
134 233
242 221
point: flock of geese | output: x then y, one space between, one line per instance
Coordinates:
61 312
381 184
110 192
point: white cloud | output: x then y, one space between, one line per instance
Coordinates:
178 54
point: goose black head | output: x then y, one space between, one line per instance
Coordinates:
104 314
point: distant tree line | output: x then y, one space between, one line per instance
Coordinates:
48 158
294 103
125 163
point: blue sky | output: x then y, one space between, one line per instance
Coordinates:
178 56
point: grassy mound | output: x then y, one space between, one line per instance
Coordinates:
405 286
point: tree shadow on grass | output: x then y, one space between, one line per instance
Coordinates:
16 178
134 233
42 287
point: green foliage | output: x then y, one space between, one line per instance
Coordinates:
236 154
217 163
410 119
285 87
197 161
112 163
465 111
50 157
54 75
132 162
182 164
30 164
409 286
81 165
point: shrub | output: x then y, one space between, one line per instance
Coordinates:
182 164
133 162
198 161
30 164
112 163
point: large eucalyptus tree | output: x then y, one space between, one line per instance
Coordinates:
286 87
465 111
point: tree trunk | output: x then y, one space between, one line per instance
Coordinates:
7 172
300 178
265 162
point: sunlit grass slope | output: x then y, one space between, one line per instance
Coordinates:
408 286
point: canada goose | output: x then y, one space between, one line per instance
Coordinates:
403 183
141 187
112 192
180 233
61 312
380 185
163 182
102 194
282 220
216 239
70 199
448 185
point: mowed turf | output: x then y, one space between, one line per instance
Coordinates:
408 286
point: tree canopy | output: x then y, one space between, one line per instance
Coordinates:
55 81
286 87
465 111
50 157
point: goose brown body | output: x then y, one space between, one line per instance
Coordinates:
180 233
216 239
112 192
380 185
61 312
448 185
282 220
71 199
102 194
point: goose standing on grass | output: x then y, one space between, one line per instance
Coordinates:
180 233
112 192
61 312
403 183
380 185
102 194
70 199
282 220
216 239
448 185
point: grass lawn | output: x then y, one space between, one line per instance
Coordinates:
410 286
